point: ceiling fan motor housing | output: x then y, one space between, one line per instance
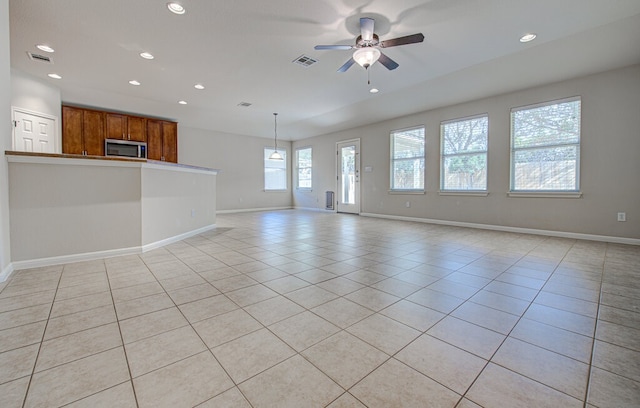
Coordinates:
360 43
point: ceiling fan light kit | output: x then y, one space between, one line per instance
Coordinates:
365 57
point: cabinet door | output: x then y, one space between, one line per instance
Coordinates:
72 130
170 141
116 126
136 129
154 139
93 132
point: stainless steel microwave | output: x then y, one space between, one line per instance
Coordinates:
125 148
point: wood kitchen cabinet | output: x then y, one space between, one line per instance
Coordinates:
162 140
126 127
83 131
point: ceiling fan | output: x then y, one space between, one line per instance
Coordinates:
368 47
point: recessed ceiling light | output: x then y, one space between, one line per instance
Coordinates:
374 90
182 102
146 55
199 86
134 82
175 8
45 48
528 37
54 76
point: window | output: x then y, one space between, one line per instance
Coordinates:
464 154
275 171
407 159
545 147
303 160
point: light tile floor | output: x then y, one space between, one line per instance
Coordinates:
310 309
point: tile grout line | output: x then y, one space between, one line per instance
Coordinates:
195 331
298 353
124 349
595 330
489 361
26 394
377 312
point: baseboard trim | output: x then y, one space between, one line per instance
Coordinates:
6 272
64 259
176 238
92 256
244 210
313 209
520 230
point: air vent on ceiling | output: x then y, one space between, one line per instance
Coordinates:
244 104
305 61
38 57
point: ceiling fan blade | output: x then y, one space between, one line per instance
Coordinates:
333 47
347 65
409 39
387 62
366 28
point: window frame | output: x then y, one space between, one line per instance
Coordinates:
443 156
265 159
560 193
298 168
392 161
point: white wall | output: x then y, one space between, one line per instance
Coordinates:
39 96
240 160
64 209
175 202
5 138
69 208
609 163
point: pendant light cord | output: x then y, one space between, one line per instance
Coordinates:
275 130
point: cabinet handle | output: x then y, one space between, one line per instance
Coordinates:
129 136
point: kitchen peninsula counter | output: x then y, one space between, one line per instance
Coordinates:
65 208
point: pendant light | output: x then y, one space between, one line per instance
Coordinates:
275 155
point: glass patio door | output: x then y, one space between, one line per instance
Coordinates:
349 177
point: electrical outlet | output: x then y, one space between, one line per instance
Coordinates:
408 204
622 216
193 212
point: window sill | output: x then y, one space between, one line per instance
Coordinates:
408 192
471 193
304 190
276 191
545 194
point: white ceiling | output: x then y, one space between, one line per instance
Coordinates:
242 51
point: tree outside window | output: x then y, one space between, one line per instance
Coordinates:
545 146
304 167
464 144
407 159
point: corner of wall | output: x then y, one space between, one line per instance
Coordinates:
5 138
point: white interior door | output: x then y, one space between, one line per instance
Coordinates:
33 132
348 196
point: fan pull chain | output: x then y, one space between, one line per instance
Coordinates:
368 78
